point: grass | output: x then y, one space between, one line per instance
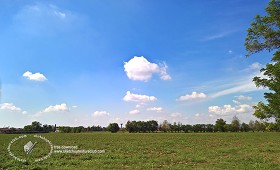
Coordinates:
153 151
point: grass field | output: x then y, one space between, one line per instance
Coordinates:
152 151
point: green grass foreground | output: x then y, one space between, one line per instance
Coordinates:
155 151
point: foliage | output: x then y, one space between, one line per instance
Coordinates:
142 126
220 125
113 127
264 34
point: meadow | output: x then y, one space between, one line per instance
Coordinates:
152 151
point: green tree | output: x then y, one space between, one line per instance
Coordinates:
245 127
235 124
113 127
264 34
220 125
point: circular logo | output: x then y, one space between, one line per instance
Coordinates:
30 148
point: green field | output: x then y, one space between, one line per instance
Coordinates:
152 151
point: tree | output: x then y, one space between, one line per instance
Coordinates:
113 127
264 34
235 124
244 127
252 125
165 126
220 125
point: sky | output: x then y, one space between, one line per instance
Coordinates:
97 62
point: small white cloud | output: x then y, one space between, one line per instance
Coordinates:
36 76
176 115
255 65
192 96
236 102
100 113
138 98
133 112
230 52
157 109
57 108
74 107
241 97
24 112
9 107
139 68
197 115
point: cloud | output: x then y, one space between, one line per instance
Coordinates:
157 109
138 98
11 107
243 86
230 110
43 19
176 115
236 102
255 65
100 113
241 97
133 112
193 96
35 77
217 36
74 107
57 108
139 68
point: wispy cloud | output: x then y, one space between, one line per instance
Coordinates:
45 19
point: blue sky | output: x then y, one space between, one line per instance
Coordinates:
95 62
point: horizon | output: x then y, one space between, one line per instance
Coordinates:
95 63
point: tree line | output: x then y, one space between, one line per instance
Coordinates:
152 126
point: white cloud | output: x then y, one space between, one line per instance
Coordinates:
246 86
74 107
24 112
236 102
139 68
176 115
241 97
138 98
157 109
57 108
230 52
36 76
10 107
43 19
163 72
197 115
100 113
192 96
256 65
230 110
133 112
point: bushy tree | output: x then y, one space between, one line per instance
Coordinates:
220 125
113 127
264 34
